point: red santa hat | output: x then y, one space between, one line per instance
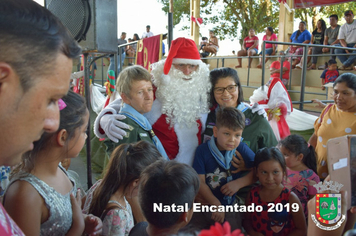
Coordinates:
182 51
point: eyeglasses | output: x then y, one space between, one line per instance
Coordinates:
230 89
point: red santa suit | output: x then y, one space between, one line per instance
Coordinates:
179 140
278 105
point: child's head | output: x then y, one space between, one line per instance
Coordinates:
135 87
70 134
230 123
204 38
332 64
168 182
270 167
296 151
123 171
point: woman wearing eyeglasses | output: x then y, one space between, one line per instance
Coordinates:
227 92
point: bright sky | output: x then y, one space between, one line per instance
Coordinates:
134 15
136 18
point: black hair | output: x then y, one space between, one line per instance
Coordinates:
323 26
31 38
126 164
231 118
349 79
335 16
299 32
296 144
167 182
270 29
137 37
222 73
331 62
71 118
204 38
271 153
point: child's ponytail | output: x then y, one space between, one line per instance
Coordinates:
126 164
309 158
297 145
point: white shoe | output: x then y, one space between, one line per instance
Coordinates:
299 66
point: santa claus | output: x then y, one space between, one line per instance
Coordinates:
180 107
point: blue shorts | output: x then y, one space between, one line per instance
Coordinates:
268 51
253 49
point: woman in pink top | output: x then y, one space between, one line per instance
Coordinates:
270 48
249 47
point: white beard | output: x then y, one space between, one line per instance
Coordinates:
183 101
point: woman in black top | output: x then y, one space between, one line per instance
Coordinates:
317 38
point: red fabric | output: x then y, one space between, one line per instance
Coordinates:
168 136
283 127
7 224
277 65
148 51
181 48
272 38
273 82
198 20
250 41
262 221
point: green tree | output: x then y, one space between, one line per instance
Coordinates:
316 13
257 14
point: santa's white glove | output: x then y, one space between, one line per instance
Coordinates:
259 109
113 127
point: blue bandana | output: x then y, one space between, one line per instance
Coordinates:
223 161
139 119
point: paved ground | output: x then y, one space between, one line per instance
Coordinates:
78 165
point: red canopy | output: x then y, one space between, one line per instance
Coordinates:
314 3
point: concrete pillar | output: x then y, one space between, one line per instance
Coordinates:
194 28
286 24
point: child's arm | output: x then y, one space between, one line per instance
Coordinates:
93 225
232 187
78 225
25 205
300 228
247 221
208 197
314 179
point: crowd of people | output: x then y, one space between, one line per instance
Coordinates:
178 138
335 35
129 50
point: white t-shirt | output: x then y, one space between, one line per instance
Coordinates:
147 34
348 32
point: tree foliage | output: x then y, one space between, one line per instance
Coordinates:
316 13
257 14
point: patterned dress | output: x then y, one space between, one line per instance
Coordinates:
58 205
301 183
271 223
334 123
118 221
